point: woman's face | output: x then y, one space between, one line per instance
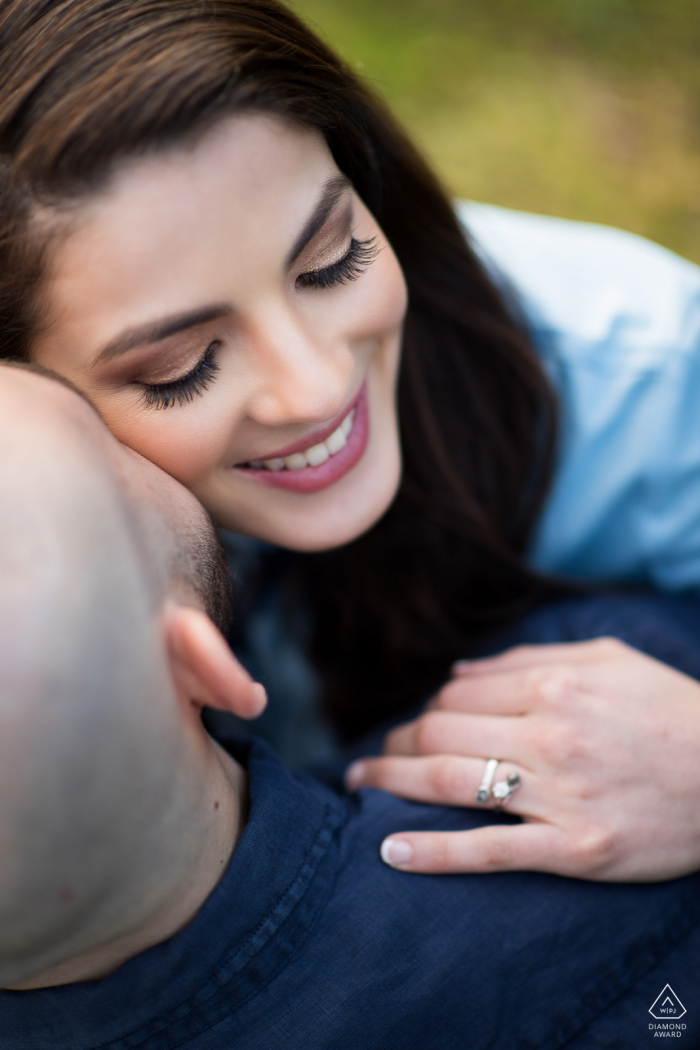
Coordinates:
235 313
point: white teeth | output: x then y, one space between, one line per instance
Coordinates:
313 456
317 454
336 441
296 461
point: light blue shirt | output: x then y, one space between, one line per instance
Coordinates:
616 320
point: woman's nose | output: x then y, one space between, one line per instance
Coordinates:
299 379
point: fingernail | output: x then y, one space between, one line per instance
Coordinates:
396 852
354 775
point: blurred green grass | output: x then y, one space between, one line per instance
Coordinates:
588 109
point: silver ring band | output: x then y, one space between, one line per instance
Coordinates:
483 793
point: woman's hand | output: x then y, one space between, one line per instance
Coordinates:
607 745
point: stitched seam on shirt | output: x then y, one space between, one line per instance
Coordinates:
280 910
210 1023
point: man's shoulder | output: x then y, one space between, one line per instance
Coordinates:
602 293
310 941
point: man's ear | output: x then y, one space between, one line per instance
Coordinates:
204 669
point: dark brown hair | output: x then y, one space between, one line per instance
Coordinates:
84 83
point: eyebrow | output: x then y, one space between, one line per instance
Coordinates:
154 332
332 191
162 329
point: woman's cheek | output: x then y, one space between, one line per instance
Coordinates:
382 301
187 441
369 308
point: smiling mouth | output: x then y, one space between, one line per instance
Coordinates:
304 470
314 455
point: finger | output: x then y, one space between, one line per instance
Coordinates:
455 732
523 847
401 741
523 656
501 692
447 780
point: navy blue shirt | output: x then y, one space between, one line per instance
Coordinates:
309 941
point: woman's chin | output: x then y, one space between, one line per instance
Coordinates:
330 536
323 520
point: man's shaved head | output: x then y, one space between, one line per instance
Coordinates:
94 768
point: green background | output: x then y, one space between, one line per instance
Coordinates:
588 109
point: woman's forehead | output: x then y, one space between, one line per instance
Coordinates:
245 166
191 223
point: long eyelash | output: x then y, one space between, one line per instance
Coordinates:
360 255
182 391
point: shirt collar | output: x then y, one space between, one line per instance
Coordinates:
280 872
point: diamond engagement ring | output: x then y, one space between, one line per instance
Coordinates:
483 793
503 790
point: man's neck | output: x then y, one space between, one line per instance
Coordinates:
229 797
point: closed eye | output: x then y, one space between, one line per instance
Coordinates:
358 257
182 391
